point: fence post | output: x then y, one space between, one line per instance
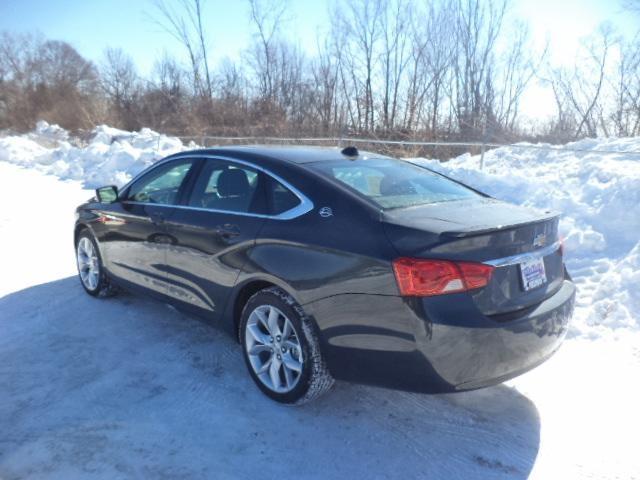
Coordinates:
484 142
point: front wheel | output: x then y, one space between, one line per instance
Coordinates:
92 275
281 348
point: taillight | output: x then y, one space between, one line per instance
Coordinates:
476 275
419 277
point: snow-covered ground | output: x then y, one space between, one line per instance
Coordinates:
127 387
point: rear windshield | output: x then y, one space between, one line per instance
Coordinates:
394 183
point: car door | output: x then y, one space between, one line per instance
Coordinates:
216 225
135 243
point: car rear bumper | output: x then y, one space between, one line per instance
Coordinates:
437 344
496 349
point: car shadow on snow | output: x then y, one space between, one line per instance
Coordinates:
129 387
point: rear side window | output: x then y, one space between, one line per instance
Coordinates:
228 187
161 185
394 183
281 199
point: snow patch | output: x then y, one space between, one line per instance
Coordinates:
616 300
111 156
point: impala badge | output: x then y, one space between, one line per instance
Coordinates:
539 240
325 212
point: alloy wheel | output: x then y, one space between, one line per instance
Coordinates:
273 348
88 264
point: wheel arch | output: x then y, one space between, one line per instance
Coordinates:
79 228
244 291
76 231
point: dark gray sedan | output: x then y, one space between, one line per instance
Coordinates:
329 263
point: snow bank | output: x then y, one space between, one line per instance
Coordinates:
112 156
598 195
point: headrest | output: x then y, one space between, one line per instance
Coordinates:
233 182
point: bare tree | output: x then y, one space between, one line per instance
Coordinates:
279 68
395 57
45 79
403 69
517 70
625 86
357 30
430 68
582 88
563 126
17 57
267 17
164 100
478 28
183 21
324 71
119 81
233 100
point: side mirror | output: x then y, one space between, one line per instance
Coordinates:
108 194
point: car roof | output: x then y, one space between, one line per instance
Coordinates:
290 154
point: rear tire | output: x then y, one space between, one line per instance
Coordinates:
281 348
91 273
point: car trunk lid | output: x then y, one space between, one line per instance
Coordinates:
519 242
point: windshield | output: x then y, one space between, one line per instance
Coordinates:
394 183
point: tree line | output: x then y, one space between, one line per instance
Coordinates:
393 69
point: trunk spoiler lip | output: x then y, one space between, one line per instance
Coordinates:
474 230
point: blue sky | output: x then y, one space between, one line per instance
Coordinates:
92 25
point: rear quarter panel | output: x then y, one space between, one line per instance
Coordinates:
317 257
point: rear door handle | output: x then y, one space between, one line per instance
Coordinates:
227 230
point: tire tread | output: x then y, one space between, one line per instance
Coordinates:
320 379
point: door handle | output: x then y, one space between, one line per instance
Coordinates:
156 218
227 230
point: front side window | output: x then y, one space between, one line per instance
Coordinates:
161 185
394 183
228 187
